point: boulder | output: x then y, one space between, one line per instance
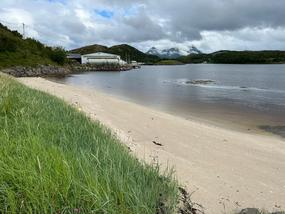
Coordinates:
250 211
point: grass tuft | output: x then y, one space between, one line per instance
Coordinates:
53 159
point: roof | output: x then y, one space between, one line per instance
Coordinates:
74 56
101 54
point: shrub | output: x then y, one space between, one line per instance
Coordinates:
58 55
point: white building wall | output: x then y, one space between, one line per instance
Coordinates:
100 59
122 62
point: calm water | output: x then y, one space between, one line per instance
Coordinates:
242 95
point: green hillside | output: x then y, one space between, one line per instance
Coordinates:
248 57
90 49
169 62
134 54
126 52
14 50
237 57
195 58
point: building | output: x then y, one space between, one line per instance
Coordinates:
101 58
135 64
76 57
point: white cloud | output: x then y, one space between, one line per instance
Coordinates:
209 24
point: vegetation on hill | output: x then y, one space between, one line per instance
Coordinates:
237 57
248 57
15 50
127 52
53 159
90 49
195 58
169 62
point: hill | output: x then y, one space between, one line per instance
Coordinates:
237 57
126 52
169 62
248 57
90 49
195 58
15 50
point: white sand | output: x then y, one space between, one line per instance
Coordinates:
227 169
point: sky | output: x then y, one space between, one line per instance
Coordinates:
210 25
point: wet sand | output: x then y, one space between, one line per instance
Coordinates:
236 118
226 169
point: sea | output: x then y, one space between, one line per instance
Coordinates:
248 98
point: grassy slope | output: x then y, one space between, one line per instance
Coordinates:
54 159
14 50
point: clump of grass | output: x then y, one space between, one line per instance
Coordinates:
53 159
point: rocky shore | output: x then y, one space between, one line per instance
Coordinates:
90 67
39 71
51 70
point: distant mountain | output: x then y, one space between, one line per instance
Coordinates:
185 55
127 52
194 50
173 53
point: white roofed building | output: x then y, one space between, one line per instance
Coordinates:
102 58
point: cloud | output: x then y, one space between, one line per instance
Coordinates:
209 24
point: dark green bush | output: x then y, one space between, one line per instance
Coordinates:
7 44
58 55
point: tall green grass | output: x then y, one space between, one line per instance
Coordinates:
53 159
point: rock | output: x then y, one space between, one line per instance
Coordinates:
250 211
98 68
41 70
199 82
158 144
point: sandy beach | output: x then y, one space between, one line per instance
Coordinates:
225 169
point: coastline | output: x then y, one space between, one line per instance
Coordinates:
228 102
247 121
227 169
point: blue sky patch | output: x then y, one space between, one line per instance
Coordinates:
105 13
60 1
132 11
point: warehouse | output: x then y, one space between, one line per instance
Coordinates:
102 58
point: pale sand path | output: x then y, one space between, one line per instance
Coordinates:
227 169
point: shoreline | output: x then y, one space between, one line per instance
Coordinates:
225 120
249 116
226 169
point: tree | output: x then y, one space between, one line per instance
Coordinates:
58 55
